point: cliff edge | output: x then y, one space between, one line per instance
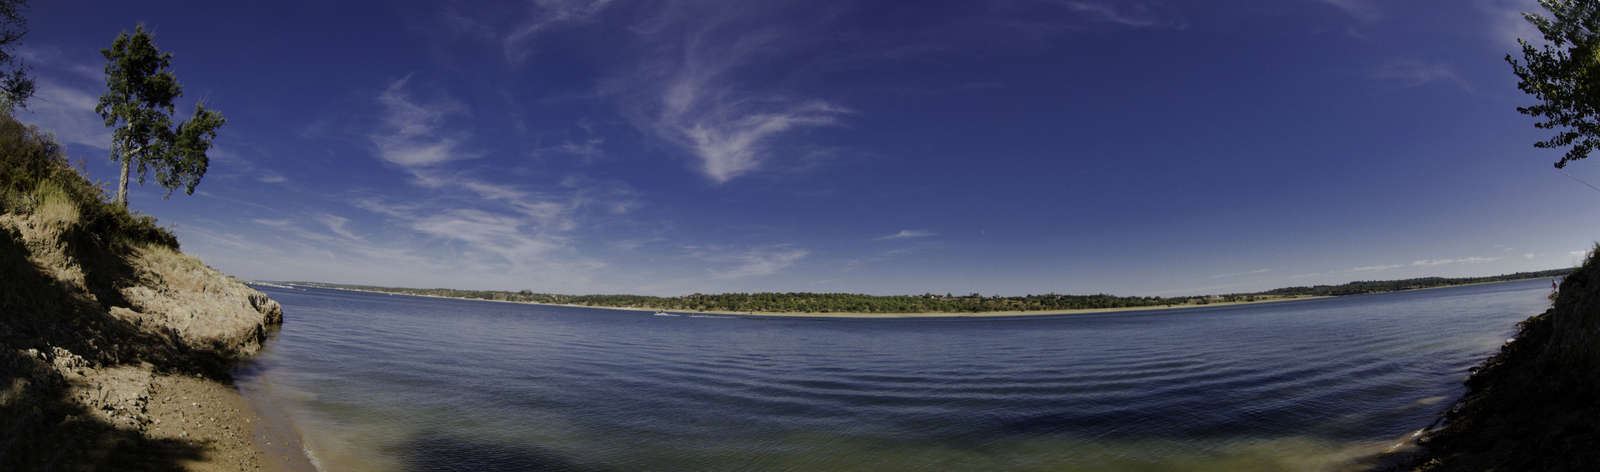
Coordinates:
115 348
89 333
1536 404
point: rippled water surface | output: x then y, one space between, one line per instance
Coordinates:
381 382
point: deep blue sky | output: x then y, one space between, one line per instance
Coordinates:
881 147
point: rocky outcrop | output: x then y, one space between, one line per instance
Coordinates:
1536 404
89 328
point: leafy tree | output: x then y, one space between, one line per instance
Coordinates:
138 105
15 86
1565 74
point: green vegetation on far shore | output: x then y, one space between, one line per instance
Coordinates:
929 303
1377 286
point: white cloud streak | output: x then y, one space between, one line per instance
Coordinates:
1508 25
1412 73
731 141
336 225
709 81
465 224
69 113
1235 274
1464 260
906 234
413 134
1359 9
759 262
1140 15
547 14
1372 268
1422 263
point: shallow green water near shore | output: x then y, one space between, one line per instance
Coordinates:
381 382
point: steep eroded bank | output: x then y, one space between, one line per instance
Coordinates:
116 355
1536 404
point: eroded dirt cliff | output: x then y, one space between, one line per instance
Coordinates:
102 344
1536 404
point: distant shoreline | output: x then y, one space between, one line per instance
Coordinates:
985 314
927 305
290 285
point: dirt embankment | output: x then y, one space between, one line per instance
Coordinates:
117 357
1535 405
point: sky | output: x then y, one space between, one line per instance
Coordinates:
1007 147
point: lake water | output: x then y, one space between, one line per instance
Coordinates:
382 382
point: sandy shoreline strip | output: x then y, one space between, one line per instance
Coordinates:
215 417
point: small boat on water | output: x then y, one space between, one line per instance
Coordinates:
662 313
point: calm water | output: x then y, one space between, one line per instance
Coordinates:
380 382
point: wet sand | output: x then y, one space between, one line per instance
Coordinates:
214 417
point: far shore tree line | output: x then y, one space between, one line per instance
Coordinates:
802 302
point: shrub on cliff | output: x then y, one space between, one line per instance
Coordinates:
35 178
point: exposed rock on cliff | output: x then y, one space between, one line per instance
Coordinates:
90 330
1535 405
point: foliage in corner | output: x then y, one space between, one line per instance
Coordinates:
15 85
1565 75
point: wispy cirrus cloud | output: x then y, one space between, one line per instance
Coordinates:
1412 73
759 262
413 134
1371 268
730 140
67 88
718 81
1464 260
544 210
1138 15
589 150
1359 9
336 224
1507 23
1421 263
907 234
69 113
271 177
466 221
487 240
496 234
1235 274
547 14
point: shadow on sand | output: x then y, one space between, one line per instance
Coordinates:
49 330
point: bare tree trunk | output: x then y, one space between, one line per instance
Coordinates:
122 187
